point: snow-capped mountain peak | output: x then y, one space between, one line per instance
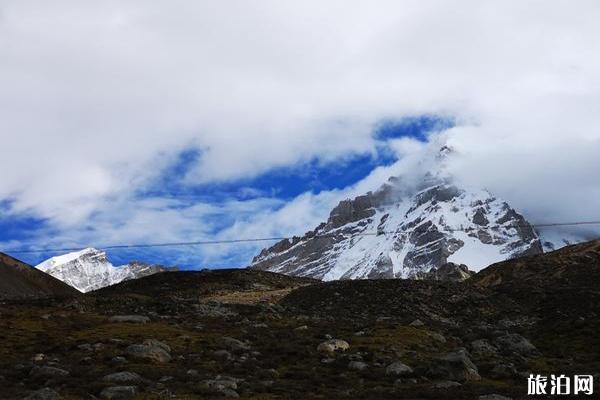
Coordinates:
380 235
90 269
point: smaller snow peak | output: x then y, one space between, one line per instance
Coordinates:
89 269
89 252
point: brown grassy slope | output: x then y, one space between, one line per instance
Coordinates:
21 281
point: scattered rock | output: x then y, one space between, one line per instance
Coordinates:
358 365
48 372
398 369
134 319
44 394
38 358
151 350
234 345
482 348
123 377
515 343
438 337
119 392
225 386
223 355
333 345
193 373
85 347
301 328
417 323
118 360
455 366
445 384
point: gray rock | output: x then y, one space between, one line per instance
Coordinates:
234 345
301 328
44 394
85 347
151 350
445 384
119 392
482 348
455 366
48 372
123 377
515 343
417 323
118 360
438 337
358 365
193 373
223 355
225 386
398 369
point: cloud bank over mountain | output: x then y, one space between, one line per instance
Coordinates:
100 101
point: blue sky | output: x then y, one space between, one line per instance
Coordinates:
281 185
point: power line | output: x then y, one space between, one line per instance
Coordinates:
273 239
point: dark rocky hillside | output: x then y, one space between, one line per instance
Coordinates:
21 281
259 335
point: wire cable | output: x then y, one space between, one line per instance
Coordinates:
316 236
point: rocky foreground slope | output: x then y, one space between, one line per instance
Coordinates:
259 335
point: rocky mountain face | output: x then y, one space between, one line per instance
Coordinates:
21 281
89 270
403 232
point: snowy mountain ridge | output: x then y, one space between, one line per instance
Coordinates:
89 270
390 234
409 227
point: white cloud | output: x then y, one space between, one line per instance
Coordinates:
97 97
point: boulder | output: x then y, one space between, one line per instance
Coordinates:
119 393
482 348
151 350
515 343
398 369
44 394
455 366
358 365
48 372
225 386
333 345
235 345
